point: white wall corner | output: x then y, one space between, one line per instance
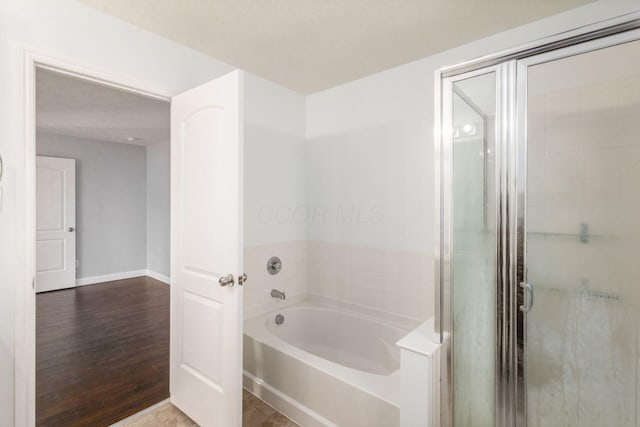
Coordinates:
159 277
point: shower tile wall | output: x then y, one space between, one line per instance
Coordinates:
392 281
584 168
292 279
584 158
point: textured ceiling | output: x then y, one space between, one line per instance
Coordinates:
70 106
311 45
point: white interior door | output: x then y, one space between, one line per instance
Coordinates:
206 247
55 223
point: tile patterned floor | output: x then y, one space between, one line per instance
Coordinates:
163 416
255 413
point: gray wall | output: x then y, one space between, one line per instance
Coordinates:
110 202
158 222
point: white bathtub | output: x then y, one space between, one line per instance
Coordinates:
327 364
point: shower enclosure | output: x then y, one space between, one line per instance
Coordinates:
539 249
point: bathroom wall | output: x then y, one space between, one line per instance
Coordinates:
371 140
275 193
368 229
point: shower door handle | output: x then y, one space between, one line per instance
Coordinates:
528 297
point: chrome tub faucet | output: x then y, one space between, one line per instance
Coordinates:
278 294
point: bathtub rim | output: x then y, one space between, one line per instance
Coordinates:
397 320
383 387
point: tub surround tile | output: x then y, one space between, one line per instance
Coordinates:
349 273
394 281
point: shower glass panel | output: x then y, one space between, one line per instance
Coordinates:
583 239
474 253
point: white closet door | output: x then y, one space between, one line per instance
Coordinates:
55 223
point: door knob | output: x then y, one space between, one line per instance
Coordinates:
71 229
226 280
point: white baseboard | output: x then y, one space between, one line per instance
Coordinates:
120 276
159 277
110 277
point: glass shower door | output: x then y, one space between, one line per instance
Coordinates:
583 238
473 282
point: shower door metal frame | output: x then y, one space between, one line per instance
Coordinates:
511 162
506 389
444 253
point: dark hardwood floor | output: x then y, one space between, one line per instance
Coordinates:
102 352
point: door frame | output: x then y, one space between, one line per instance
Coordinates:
511 352
24 282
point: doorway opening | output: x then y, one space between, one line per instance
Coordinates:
102 251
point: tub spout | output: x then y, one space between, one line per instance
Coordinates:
278 294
